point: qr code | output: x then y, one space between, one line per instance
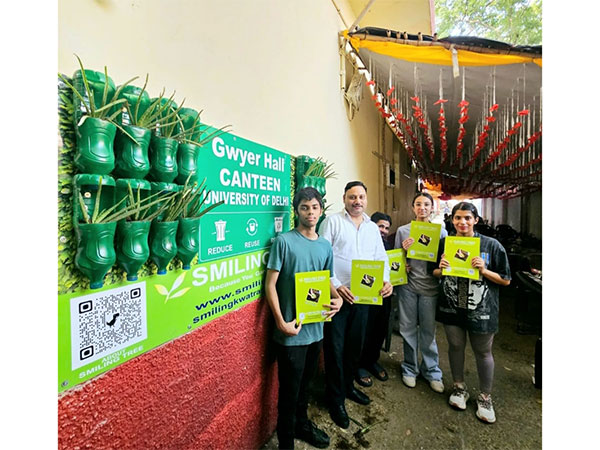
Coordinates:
107 322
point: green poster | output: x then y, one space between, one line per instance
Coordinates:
102 328
427 240
253 181
366 281
460 251
397 258
312 292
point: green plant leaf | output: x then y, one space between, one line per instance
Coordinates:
97 203
76 92
178 282
180 293
84 210
161 289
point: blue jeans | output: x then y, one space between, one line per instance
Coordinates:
417 328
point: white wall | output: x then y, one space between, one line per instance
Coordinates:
524 214
268 67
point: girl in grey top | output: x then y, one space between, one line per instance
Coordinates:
417 303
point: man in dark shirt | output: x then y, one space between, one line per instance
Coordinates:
377 322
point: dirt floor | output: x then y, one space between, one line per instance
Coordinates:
419 418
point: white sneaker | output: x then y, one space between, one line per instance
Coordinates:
411 382
459 397
437 386
485 409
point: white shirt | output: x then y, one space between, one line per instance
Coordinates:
350 243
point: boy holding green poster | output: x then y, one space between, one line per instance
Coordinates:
298 346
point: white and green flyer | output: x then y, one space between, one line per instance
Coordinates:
459 252
366 281
397 258
312 292
427 240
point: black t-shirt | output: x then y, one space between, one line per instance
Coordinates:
473 304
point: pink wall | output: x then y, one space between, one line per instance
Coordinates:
214 388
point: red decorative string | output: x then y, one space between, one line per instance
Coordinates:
512 158
464 117
443 129
482 138
420 118
502 145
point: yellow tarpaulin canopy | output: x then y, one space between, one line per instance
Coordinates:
428 53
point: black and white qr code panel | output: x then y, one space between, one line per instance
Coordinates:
107 322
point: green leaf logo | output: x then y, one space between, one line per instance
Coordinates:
173 293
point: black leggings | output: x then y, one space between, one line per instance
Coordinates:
482 348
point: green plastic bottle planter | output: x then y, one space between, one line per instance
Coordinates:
156 187
95 149
188 235
96 82
132 246
131 94
172 107
163 244
87 185
187 162
131 158
163 159
123 191
188 117
303 162
316 182
95 250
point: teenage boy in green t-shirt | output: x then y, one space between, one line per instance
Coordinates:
298 346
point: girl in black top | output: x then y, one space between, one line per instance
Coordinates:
471 306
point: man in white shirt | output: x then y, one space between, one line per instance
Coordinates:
353 236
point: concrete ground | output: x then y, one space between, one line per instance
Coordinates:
419 418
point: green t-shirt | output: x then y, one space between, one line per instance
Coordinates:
291 253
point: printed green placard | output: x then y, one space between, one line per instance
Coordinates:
366 280
427 240
102 328
397 259
460 251
312 292
253 181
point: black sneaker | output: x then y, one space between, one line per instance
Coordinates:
308 432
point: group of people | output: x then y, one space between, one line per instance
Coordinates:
352 339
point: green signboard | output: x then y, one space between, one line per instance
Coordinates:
102 328
253 181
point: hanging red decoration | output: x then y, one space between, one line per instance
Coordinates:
464 116
420 118
442 129
482 138
512 158
502 145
